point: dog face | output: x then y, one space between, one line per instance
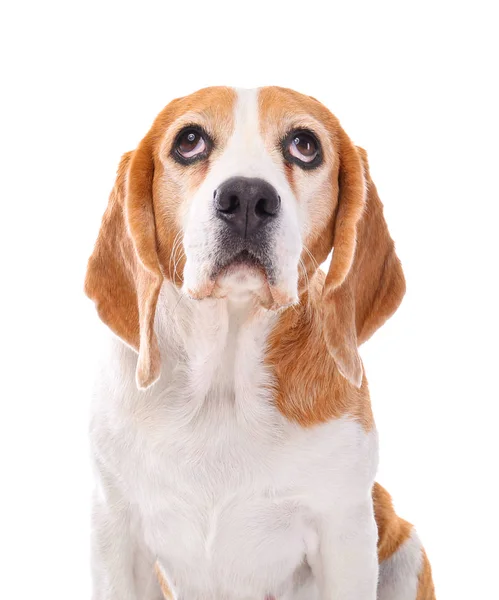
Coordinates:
242 195
243 179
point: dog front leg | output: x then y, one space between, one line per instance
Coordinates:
112 551
346 566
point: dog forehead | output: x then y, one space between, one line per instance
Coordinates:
251 150
212 102
269 112
283 105
246 150
255 107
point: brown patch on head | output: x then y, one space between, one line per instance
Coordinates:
282 111
140 240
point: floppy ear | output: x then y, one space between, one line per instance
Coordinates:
123 274
365 283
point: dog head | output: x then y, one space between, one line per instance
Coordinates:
242 195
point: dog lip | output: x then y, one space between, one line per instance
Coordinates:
246 258
242 259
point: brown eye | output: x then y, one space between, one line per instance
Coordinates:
304 147
190 144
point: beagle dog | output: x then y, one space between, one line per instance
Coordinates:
234 445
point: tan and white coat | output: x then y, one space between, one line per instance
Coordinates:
232 433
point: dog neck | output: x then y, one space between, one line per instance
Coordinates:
222 342
234 353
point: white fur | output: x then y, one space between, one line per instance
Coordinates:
398 575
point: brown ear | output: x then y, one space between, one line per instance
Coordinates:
123 275
365 283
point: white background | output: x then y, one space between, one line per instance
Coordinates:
414 84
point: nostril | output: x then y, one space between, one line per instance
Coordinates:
228 203
233 203
267 207
261 207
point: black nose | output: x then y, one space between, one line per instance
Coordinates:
246 204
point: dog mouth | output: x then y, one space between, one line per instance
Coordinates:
242 261
241 275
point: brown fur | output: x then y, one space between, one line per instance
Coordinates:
392 530
315 392
426 589
392 533
125 290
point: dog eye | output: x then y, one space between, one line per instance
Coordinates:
304 147
190 143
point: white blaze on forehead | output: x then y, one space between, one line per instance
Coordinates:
246 154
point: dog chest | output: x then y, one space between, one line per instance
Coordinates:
229 510
225 491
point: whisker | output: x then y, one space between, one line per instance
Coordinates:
316 264
301 264
182 255
176 241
